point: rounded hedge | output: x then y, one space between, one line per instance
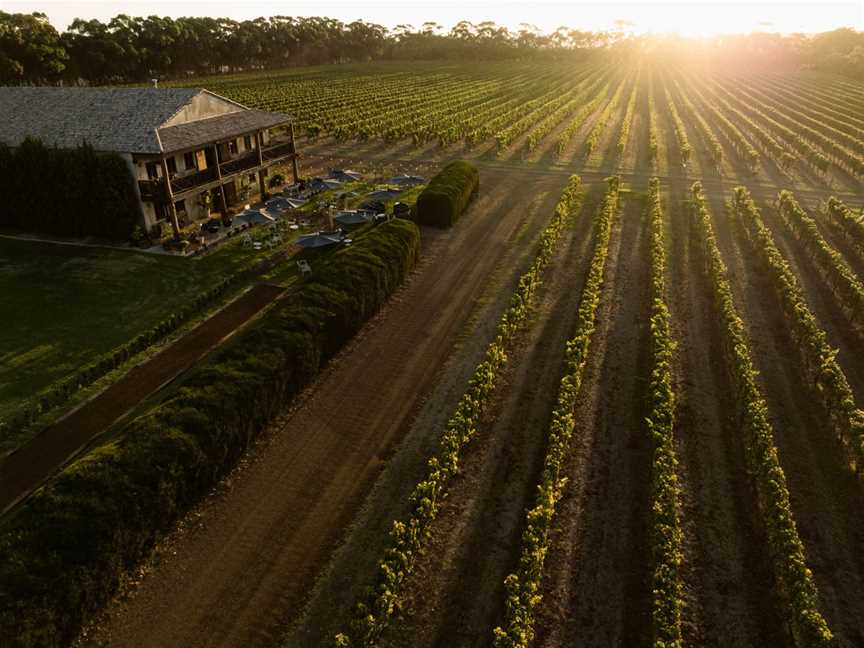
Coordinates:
447 195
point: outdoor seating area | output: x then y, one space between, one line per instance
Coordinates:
279 215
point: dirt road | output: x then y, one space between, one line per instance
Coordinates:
241 564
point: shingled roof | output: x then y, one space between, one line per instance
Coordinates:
116 119
190 134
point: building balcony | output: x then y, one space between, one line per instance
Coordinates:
179 184
155 190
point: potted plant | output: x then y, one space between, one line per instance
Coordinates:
205 200
139 237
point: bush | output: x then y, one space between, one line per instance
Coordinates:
96 192
66 547
447 195
276 180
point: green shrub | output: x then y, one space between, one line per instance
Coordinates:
96 190
447 195
66 547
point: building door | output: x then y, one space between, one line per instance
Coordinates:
231 193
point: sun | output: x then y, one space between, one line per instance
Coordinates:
704 18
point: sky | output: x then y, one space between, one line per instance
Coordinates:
693 18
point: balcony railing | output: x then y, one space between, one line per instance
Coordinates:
277 151
154 190
238 164
186 182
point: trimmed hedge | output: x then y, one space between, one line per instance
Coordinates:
65 549
67 192
447 195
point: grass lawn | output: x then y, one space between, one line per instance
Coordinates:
64 305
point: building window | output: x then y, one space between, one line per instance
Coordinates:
180 206
232 147
172 165
247 142
152 171
189 160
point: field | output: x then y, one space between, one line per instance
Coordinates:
641 395
117 295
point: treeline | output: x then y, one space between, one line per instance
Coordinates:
135 49
66 192
130 49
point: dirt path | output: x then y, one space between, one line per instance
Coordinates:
728 598
475 541
595 583
28 466
248 556
826 498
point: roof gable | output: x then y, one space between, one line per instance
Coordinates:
203 105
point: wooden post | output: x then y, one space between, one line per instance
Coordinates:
219 176
171 206
259 140
295 169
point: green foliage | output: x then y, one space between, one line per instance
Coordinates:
819 359
408 537
62 390
523 585
840 278
67 192
666 534
64 550
447 195
793 579
30 49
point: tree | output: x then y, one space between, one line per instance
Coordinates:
30 49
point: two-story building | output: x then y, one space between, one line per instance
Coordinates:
189 150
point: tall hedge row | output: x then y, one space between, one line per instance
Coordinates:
67 192
65 549
447 195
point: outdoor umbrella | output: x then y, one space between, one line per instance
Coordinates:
295 203
254 217
278 204
384 194
318 240
323 185
353 217
345 176
407 180
375 206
